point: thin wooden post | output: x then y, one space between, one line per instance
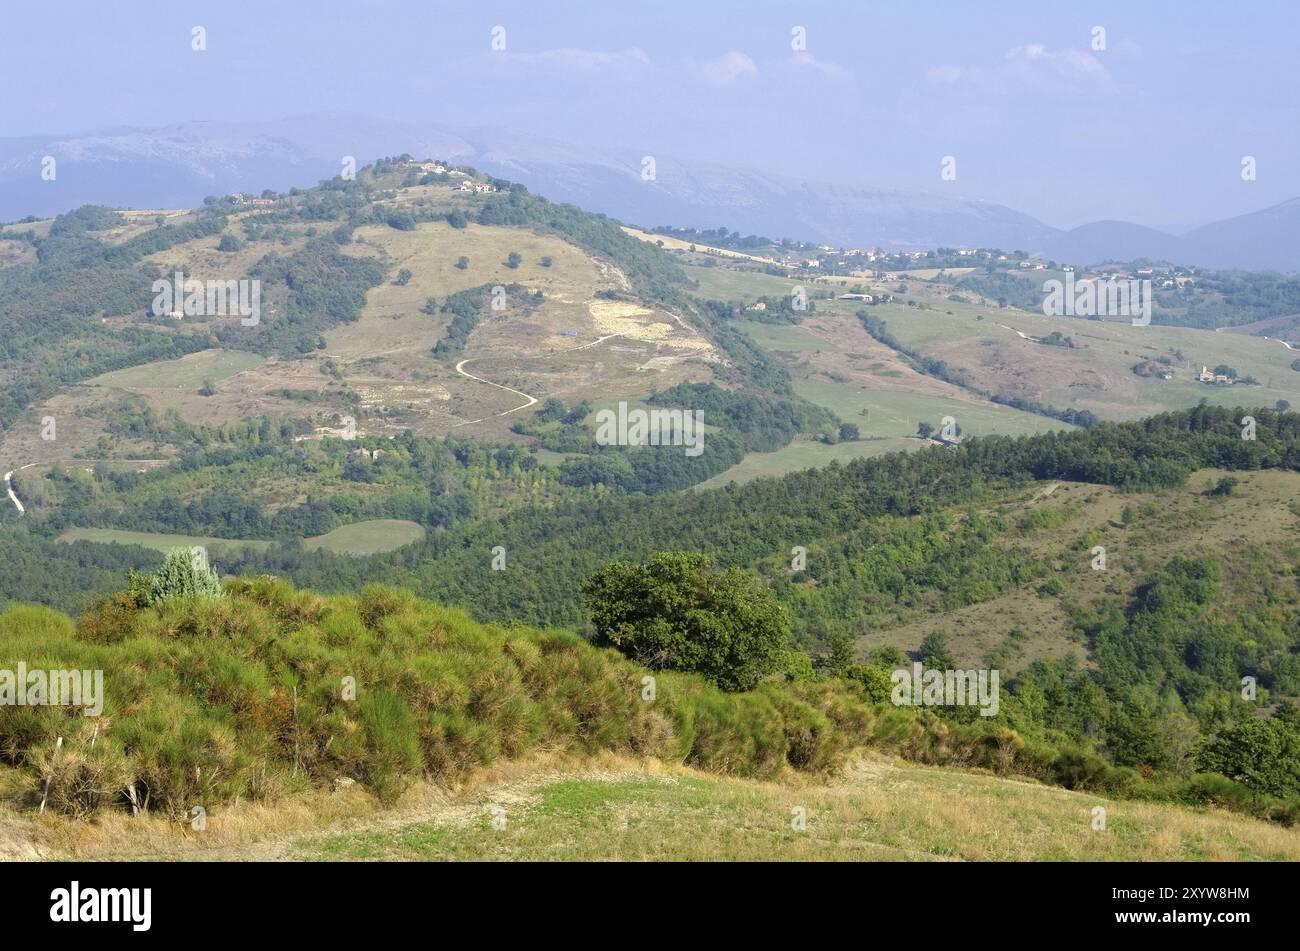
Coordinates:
58 745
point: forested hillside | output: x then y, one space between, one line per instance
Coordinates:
1168 675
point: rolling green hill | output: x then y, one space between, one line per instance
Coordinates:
420 406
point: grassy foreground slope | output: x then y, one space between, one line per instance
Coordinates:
880 811
276 711
625 809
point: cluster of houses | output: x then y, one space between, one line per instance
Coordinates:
467 184
361 452
981 254
869 298
1216 379
850 259
1161 277
856 259
242 199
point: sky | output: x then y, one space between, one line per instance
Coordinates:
1150 126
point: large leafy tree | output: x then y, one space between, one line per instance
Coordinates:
675 612
1261 753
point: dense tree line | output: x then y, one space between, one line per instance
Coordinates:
557 545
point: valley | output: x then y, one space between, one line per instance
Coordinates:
904 464
538 433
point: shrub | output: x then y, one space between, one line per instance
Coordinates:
183 575
675 613
812 742
213 699
737 734
797 665
392 752
935 652
874 680
83 781
1079 769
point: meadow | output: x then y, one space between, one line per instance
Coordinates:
1097 374
895 397
880 810
997 348
619 808
358 538
189 372
808 454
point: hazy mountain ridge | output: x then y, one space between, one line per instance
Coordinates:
1264 240
178 165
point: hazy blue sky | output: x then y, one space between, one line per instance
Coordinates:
1152 129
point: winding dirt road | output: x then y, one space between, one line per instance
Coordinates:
501 386
10 488
460 368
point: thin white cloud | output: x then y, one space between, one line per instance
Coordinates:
1064 63
1033 65
806 60
572 58
947 73
728 68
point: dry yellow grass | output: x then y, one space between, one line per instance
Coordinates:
200 258
615 317
615 808
677 244
637 323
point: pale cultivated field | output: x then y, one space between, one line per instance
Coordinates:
139 222
677 244
1097 374
573 345
837 364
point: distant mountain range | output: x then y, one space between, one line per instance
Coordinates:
1267 240
178 165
